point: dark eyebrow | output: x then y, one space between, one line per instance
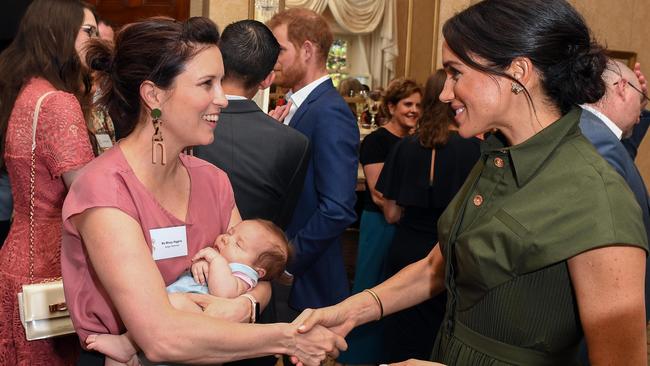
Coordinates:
450 64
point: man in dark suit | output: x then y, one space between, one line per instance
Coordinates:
326 205
265 160
612 118
605 122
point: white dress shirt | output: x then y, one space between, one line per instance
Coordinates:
235 97
299 97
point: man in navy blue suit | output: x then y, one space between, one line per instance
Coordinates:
612 118
326 204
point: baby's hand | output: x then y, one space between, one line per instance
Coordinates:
207 253
201 265
200 270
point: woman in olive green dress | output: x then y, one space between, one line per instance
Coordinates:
544 244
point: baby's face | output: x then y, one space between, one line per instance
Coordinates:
242 243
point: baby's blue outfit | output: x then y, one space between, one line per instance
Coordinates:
185 283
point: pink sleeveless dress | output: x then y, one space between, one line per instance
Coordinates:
62 145
109 181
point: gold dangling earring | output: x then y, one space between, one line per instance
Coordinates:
516 88
157 138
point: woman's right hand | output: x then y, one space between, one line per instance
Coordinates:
313 346
236 310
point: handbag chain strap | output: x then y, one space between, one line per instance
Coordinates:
32 185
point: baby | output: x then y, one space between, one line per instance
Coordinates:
249 251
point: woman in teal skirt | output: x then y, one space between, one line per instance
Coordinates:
544 244
402 103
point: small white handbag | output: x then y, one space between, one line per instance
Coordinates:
43 311
42 306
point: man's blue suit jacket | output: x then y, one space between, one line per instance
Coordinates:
610 148
326 205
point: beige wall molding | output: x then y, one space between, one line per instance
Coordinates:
434 31
409 39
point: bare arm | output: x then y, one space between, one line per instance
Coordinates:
412 285
167 334
415 283
609 286
221 282
372 171
392 211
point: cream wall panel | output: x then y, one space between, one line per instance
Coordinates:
422 34
196 8
224 12
402 25
416 32
448 8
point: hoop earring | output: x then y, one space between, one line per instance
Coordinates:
157 138
516 88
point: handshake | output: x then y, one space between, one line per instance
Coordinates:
320 333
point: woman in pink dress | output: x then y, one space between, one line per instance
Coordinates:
138 213
44 57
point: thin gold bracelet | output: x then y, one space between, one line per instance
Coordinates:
374 295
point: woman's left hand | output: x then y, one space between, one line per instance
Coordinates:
414 362
236 310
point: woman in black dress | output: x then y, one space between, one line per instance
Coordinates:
402 103
421 175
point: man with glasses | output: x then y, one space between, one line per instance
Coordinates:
633 142
613 117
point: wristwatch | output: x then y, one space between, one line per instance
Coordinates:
255 308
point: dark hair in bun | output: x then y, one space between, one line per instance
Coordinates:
155 49
99 55
551 33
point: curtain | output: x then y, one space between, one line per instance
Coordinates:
384 50
315 5
355 16
358 16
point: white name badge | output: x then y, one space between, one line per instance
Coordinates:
168 242
103 140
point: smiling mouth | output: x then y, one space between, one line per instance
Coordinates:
211 117
458 111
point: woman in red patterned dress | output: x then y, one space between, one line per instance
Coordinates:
45 56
